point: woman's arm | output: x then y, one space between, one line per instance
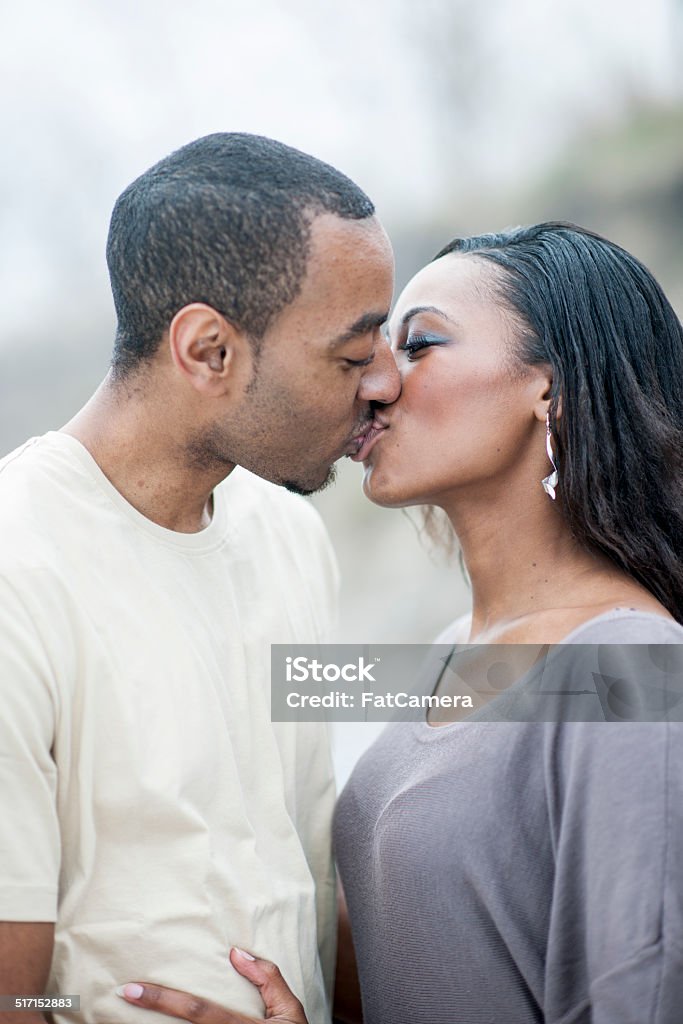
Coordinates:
616 929
347 1001
280 1004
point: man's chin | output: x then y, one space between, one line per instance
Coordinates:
305 488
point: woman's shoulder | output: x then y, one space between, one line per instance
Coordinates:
456 632
618 625
627 626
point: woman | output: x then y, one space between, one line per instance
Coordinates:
526 871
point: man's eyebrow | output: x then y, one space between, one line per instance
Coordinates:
426 309
363 325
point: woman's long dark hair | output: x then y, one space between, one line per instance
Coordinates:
615 345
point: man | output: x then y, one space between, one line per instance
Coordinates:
152 814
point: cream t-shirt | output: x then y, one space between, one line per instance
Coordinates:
148 805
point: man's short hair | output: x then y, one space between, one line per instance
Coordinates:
226 221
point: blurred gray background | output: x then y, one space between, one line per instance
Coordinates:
456 116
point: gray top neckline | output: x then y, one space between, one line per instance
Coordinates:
424 730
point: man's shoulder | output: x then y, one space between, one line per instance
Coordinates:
39 460
14 464
37 492
19 478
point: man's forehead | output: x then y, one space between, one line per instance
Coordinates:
349 279
350 268
332 235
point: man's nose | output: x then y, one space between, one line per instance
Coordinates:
381 381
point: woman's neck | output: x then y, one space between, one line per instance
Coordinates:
526 567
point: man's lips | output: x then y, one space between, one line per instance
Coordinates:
366 441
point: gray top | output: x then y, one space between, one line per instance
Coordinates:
509 872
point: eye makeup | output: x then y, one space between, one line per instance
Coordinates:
417 341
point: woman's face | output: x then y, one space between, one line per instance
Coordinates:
469 414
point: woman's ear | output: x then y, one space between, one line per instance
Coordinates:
205 347
544 395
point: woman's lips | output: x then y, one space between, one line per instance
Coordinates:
367 442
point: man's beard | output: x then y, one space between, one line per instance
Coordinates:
296 488
208 452
205 452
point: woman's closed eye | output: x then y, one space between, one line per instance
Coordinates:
416 342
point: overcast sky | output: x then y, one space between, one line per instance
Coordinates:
408 98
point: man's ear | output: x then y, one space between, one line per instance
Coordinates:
209 351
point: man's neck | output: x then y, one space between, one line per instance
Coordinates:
141 450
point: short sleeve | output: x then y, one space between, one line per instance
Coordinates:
648 987
29 831
616 926
635 666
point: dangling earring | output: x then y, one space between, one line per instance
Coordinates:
549 483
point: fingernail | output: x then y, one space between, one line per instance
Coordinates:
240 952
132 991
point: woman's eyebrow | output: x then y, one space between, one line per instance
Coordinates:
414 310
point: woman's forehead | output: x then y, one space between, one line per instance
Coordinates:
451 282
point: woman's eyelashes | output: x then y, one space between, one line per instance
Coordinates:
415 342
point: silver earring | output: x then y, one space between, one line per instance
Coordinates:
549 483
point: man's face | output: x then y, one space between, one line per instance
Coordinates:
322 362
